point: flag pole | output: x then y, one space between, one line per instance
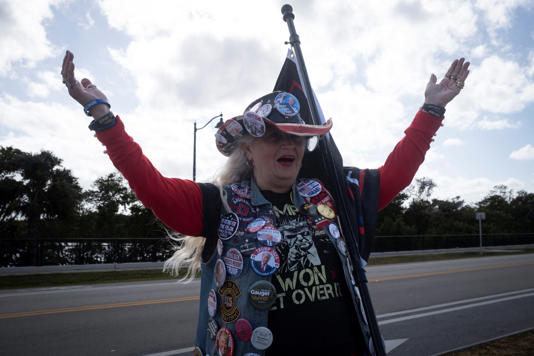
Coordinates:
337 186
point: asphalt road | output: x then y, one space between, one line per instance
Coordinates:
424 308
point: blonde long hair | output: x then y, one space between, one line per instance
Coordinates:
189 248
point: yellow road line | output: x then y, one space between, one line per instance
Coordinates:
186 299
429 274
96 307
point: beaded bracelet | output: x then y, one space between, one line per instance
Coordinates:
436 110
92 103
103 123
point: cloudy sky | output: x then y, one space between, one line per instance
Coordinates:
166 64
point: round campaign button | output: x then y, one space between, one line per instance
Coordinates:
254 124
264 260
262 294
309 188
256 225
287 104
197 351
334 231
326 211
342 247
269 236
262 338
234 128
242 190
243 329
212 303
220 273
219 247
228 226
225 342
265 110
234 262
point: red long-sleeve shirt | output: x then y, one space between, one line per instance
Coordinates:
178 202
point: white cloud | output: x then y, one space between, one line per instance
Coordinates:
524 153
487 124
479 51
456 142
499 85
498 14
22 34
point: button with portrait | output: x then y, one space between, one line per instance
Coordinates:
225 342
264 260
269 236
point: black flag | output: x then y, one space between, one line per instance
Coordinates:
357 212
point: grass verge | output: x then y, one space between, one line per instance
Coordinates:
521 344
443 256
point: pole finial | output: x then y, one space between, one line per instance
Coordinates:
287 11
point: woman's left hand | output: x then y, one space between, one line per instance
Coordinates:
443 92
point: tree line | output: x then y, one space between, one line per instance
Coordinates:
47 218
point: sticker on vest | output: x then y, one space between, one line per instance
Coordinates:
247 247
334 231
309 188
254 124
242 190
213 327
262 294
219 247
326 211
219 274
262 338
256 225
265 110
243 329
229 292
212 303
242 208
197 351
269 236
287 104
234 262
225 342
228 226
264 261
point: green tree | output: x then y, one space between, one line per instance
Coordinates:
37 192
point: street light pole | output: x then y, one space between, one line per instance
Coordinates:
219 124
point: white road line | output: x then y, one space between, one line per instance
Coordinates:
464 301
416 316
52 290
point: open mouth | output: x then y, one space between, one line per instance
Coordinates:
286 160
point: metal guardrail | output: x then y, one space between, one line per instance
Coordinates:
81 251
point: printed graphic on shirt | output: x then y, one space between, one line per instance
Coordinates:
308 262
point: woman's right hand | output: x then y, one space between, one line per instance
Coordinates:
83 92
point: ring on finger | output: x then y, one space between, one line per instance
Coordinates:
90 86
459 84
69 84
